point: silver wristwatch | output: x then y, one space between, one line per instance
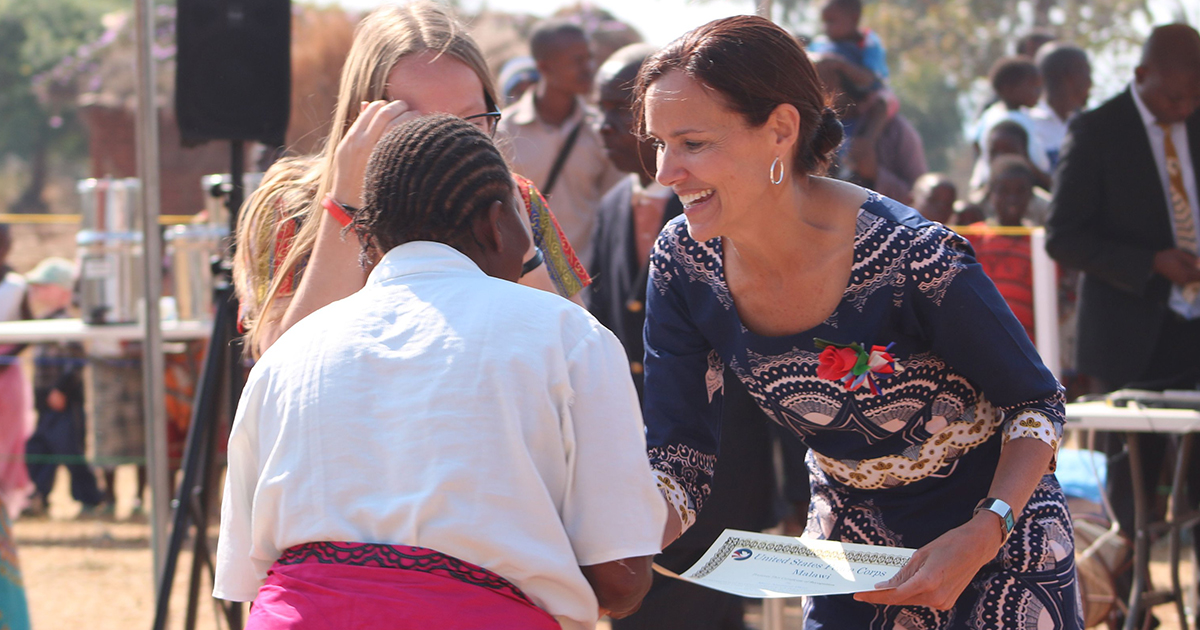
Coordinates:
1001 509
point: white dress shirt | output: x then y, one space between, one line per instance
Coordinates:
443 408
1158 146
12 291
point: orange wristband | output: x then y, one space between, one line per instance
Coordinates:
340 212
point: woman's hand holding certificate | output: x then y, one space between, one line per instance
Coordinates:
760 565
940 571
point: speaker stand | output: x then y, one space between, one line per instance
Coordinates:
222 375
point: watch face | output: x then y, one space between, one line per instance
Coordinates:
1002 510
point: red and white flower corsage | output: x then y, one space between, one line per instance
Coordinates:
854 366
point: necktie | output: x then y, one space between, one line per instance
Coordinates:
1181 208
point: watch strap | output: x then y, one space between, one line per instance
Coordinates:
1001 509
534 261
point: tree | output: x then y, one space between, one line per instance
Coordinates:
35 37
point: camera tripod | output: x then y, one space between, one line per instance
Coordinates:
220 380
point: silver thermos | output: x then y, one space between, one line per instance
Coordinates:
110 251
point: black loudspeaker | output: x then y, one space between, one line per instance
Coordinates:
233 70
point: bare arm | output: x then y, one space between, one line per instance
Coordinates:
620 585
674 526
861 76
333 270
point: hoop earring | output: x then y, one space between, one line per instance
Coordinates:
776 180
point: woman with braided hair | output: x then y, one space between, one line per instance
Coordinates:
293 254
444 448
867 332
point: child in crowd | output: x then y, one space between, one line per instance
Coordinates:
934 195
1006 258
1008 137
517 75
1030 43
860 51
968 213
1018 86
58 395
844 36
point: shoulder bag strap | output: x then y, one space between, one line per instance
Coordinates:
561 159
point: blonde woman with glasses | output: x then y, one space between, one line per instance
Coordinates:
294 255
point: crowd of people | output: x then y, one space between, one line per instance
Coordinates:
517 338
731 282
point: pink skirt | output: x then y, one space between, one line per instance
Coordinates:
16 425
355 586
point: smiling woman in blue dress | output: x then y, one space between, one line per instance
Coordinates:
863 329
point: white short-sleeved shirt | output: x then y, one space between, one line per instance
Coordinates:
12 291
443 408
992 116
1050 129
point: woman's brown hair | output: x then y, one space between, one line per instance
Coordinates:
755 66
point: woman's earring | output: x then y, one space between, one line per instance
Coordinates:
777 180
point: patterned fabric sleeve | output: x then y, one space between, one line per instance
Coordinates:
566 272
683 388
975 332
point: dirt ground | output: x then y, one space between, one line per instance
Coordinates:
96 573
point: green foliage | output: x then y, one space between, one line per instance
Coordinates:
34 37
55 28
930 102
964 37
19 108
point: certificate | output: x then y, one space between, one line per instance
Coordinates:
763 566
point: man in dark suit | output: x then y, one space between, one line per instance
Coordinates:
630 218
1125 213
631 214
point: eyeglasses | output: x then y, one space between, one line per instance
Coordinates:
491 119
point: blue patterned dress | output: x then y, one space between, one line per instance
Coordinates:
897 462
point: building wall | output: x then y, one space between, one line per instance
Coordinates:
114 154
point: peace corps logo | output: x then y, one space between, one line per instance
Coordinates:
742 554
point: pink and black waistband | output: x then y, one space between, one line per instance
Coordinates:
401 557
363 586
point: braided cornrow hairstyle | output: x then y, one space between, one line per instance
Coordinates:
426 180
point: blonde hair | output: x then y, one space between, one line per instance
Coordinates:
286 191
381 40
